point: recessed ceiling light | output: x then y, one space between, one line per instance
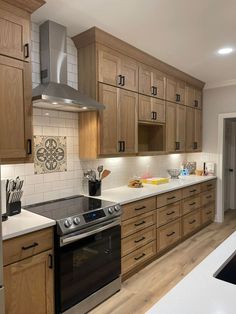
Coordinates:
225 51
46 113
55 103
84 108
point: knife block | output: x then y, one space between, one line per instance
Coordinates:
13 208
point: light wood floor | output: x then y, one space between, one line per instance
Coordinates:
145 288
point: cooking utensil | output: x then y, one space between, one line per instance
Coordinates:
100 170
105 174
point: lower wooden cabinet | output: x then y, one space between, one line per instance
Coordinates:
29 285
168 234
191 222
168 213
208 213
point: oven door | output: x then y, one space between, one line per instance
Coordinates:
88 262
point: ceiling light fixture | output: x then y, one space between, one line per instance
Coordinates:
225 51
55 103
84 108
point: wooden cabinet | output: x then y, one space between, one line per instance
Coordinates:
169 234
137 208
175 127
14 33
116 69
168 213
151 109
16 111
175 91
168 198
151 82
193 97
29 257
193 129
191 222
118 122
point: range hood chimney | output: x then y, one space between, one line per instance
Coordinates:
53 92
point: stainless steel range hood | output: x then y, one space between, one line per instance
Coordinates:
53 92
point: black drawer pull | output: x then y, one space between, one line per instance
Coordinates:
50 261
193 191
140 223
209 196
140 208
171 198
170 234
171 213
139 240
192 222
177 145
193 203
30 246
208 213
195 103
123 80
26 51
120 79
209 185
29 147
139 257
153 90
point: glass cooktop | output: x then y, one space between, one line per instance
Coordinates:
67 207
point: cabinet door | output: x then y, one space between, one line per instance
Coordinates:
180 127
145 80
128 105
170 127
171 90
190 96
190 129
109 67
198 99
145 109
159 83
15 107
108 119
129 70
198 129
14 36
158 109
29 285
180 91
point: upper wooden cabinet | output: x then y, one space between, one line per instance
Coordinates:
151 109
193 130
175 127
193 97
175 91
151 82
116 69
118 122
15 107
14 34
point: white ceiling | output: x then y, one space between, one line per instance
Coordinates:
183 33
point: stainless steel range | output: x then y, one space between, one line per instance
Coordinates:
87 251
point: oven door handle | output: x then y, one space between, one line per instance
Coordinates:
74 238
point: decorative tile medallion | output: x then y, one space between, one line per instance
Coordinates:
49 154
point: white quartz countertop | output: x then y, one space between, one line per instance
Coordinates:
200 292
125 194
23 223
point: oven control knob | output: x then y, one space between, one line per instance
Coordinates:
117 208
110 210
76 221
67 223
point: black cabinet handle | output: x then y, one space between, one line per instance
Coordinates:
209 196
192 191
177 145
209 185
231 170
191 204
140 208
140 223
26 51
50 261
141 256
29 147
177 97
139 240
152 115
155 115
192 222
120 146
153 90
170 234
196 103
30 246
171 198
208 213
171 213
120 81
123 80
123 146
194 145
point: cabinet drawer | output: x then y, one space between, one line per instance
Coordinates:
207 197
168 198
138 257
137 208
191 222
132 225
138 240
168 234
27 245
190 204
208 213
168 213
191 190
209 185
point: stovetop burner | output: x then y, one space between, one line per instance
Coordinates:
76 212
